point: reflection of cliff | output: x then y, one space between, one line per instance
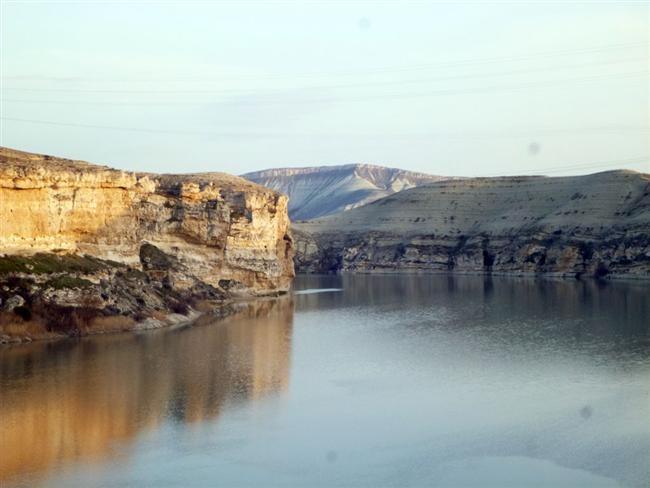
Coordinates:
74 400
592 304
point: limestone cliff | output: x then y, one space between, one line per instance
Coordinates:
211 232
595 225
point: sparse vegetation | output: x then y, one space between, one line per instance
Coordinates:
66 281
12 326
114 323
116 299
48 263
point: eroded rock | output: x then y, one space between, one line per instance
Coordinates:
84 243
216 225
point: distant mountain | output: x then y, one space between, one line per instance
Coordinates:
318 191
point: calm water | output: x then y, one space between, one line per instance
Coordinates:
371 381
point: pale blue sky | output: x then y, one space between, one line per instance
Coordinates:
478 88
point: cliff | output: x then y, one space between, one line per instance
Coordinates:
594 225
126 242
319 191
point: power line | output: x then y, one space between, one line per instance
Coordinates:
466 135
133 129
357 98
349 85
389 69
634 161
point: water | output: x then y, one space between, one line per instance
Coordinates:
375 381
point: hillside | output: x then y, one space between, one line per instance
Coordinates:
319 191
595 225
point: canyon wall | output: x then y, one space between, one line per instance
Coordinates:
217 228
594 225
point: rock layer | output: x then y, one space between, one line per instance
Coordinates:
217 227
595 225
88 249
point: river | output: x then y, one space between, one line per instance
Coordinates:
404 380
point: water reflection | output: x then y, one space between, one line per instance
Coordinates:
591 306
78 400
478 373
395 380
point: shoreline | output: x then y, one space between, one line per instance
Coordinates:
226 308
218 311
509 274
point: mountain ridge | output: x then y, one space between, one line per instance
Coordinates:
317 191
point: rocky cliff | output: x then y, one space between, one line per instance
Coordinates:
319 191
595 225
125 242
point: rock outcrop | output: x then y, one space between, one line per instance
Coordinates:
595 225
84 230
319 191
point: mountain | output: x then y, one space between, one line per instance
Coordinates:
581 225
318 191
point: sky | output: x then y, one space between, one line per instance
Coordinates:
450 88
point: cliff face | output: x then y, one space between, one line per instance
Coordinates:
217 226
594 225
319 191
82 243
